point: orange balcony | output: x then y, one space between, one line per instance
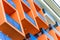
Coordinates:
5 26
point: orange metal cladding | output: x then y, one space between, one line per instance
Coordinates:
27 26
5 26
42 37
39 21
58 28
52 33
40 11
29 12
